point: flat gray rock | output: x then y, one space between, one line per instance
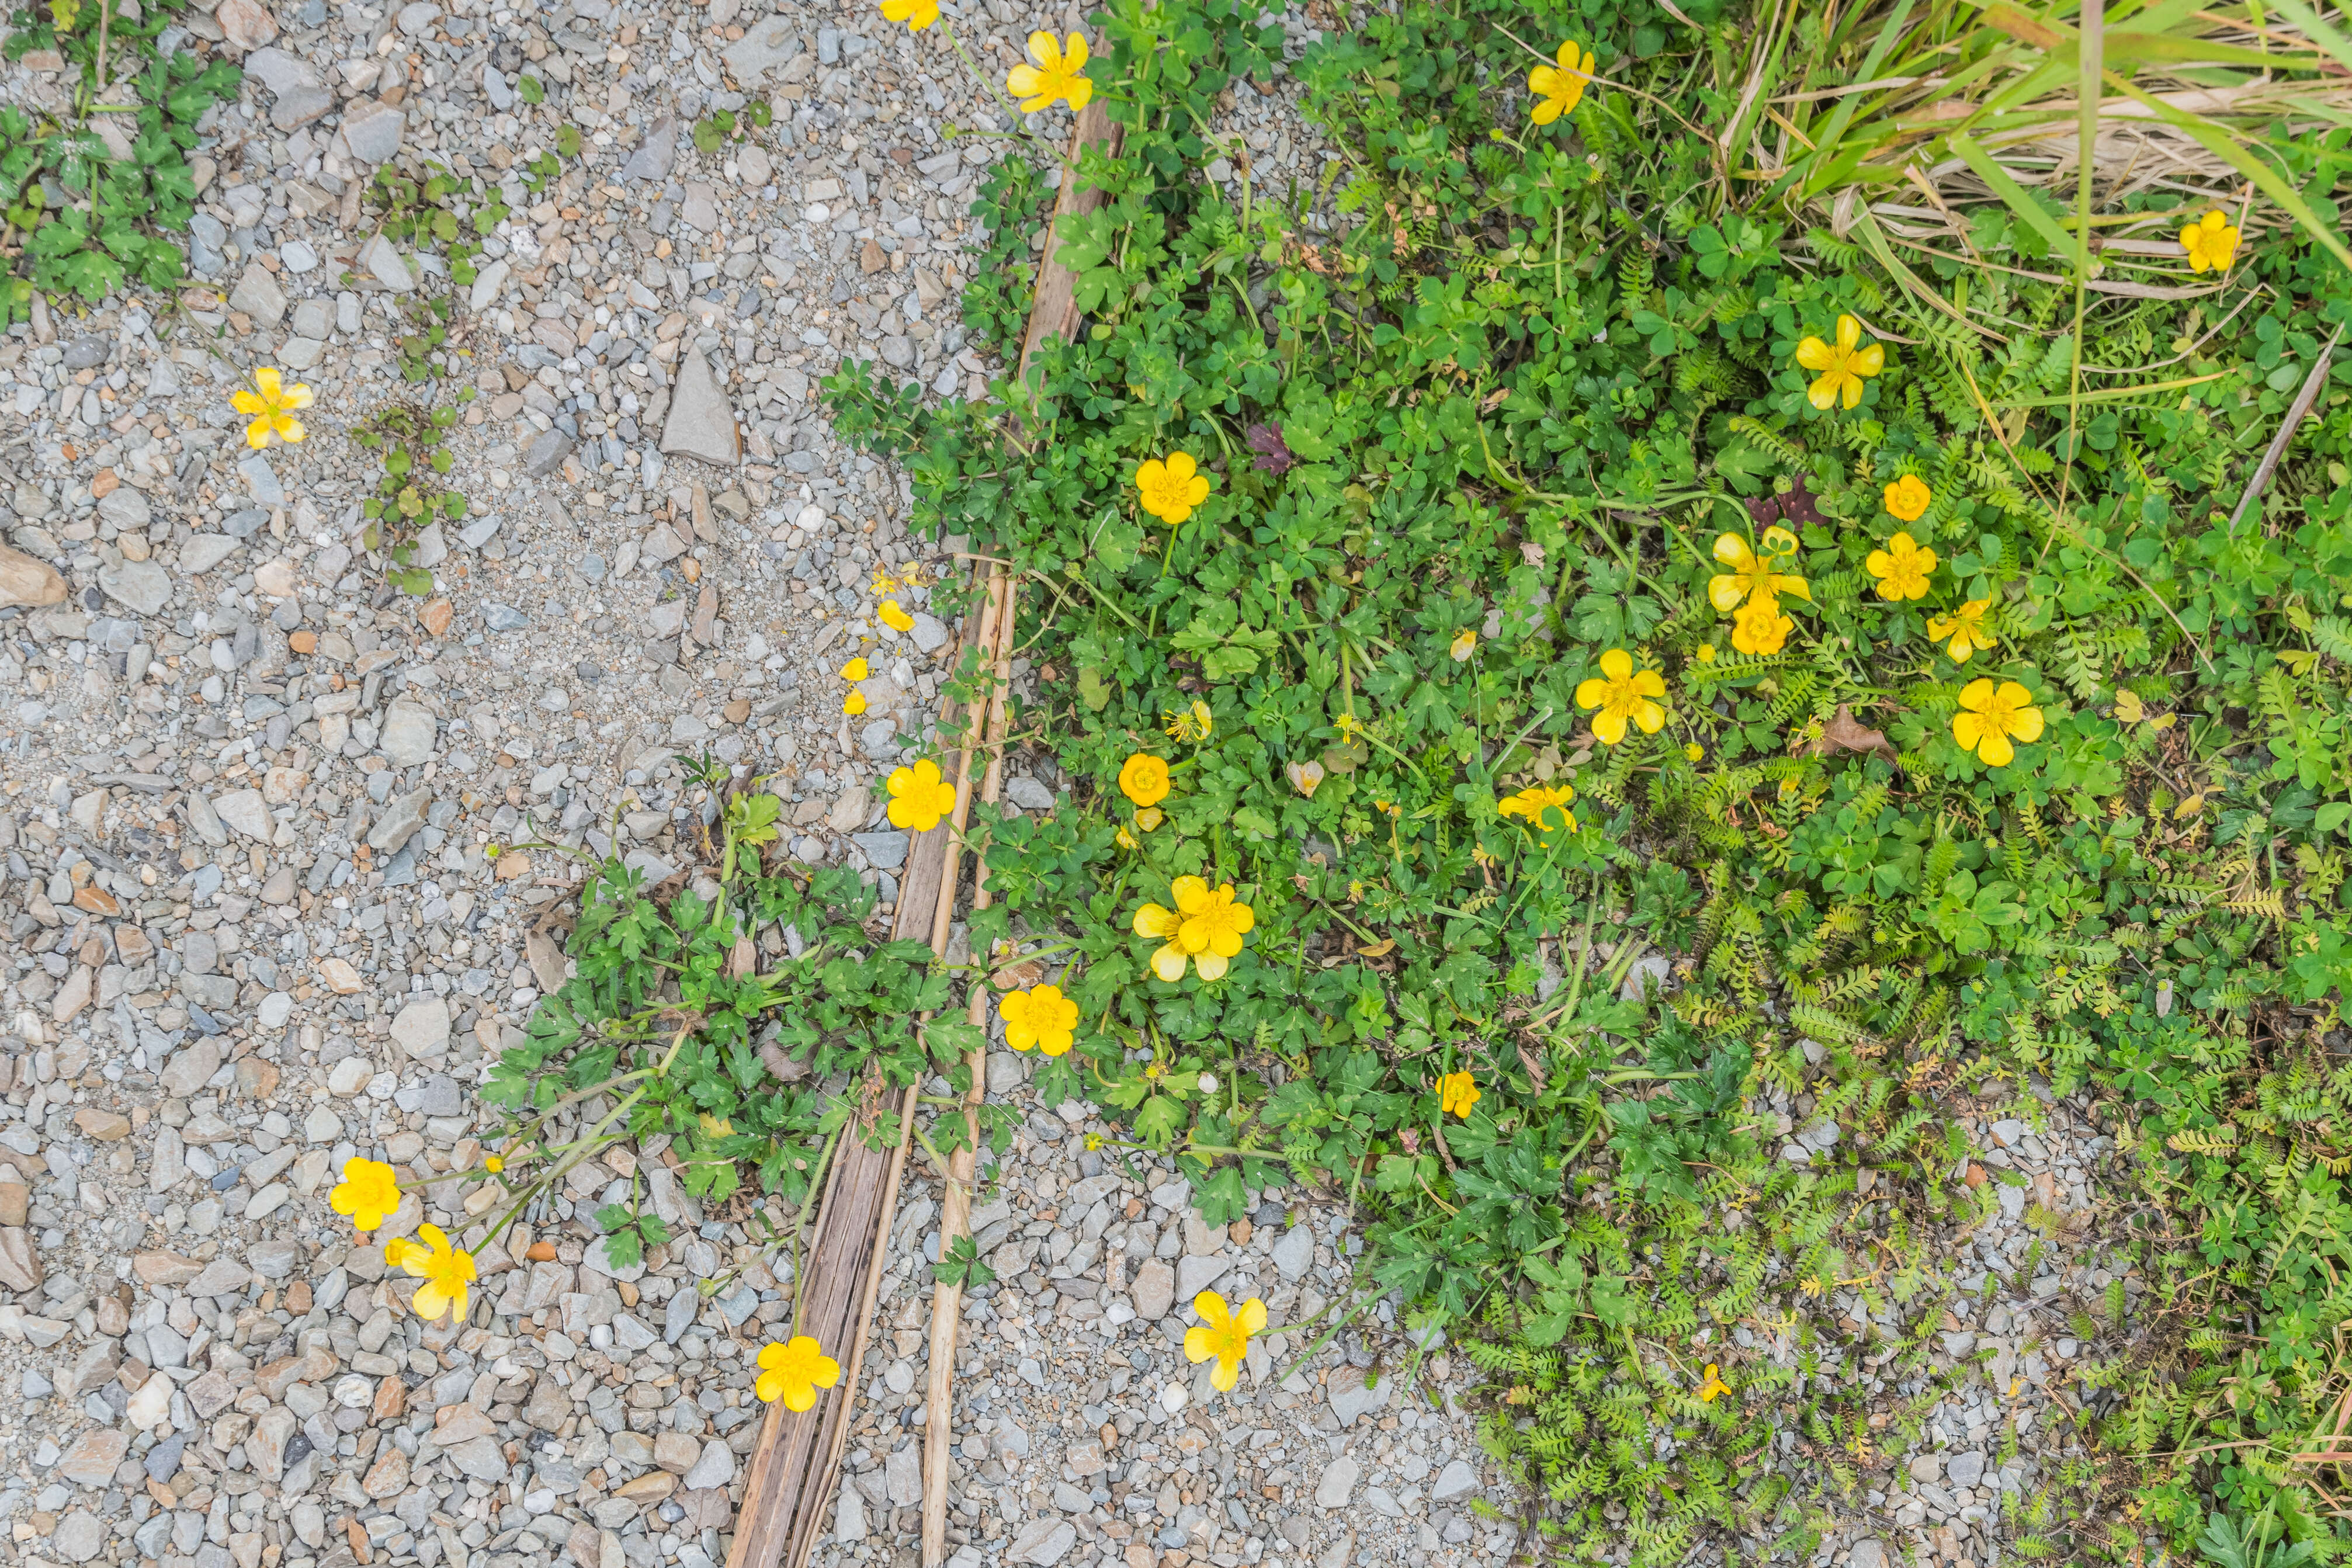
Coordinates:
548 451
488 283
221 1277
1339 1482
422 1028
1294 1252
1042 1542
849 1516
1154 1291
1349 1397
300 106
1455 1480
78 1537
140 587
371 130
204 821
408 734
382 259
246 811
716 1467
763 49
1196 1273
258 296
655 154
1028 794
904 1476
192 1069
261 484
886 851
480 1458
207 551
402 817
125 507
702 422
280 71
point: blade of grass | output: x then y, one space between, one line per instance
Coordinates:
2115 394
1875 238
2303 398
2317 28
2090 51
1774 39
1825 145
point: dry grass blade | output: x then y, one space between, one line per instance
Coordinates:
2295 414
2128 131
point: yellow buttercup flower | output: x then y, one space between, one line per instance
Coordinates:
1991 717
445 1270
1214 923
1839 372
1907 498
1457 1093
494 1164
1965 628
1531 803
2211 243
1171 489
1463 645
1205 928
1760 628
1902 568
896 620
1754 574
1694 752
272 406
1143 779
1124 839
919 797
1222 1335
793 1372
1058 73
917 13
1713 1387
368 1194
1158 923
1150 818
1560 85
1620 692
1191 725
1039 1017
857 669
854 704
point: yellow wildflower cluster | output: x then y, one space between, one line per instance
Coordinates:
1750 590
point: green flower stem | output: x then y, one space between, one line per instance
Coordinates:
581 1147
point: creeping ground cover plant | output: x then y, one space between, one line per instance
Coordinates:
1680 585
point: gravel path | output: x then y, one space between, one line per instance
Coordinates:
255 932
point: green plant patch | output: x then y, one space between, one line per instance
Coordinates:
90 198
749 1065
409 496
1607 550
